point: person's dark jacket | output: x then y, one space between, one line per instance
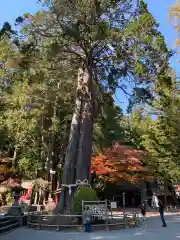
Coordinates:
161 206
143 210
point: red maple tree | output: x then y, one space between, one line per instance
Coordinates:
120 163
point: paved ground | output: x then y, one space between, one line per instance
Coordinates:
152 230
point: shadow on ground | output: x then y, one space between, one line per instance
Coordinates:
148 230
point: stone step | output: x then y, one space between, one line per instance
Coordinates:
6 218
9 227
8 224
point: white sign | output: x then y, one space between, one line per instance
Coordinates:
113 205
98 210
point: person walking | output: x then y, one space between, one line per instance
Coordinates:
155 202
87 215
143 211
161 211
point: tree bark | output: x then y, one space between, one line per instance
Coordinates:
15 162
165 193
83 163
143 193
78 155
71 153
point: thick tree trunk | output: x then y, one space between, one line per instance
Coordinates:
15 162
165 192
144 194
86 130
78 155
71 153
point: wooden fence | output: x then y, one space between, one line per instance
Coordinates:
75 222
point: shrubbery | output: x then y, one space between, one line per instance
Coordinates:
86 194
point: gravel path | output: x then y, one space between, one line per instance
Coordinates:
150 230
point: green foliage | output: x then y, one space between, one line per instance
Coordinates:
107 126
139 69
121 47
28 164
161 137
35 109
9 198
86 194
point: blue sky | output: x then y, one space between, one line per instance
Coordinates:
11 9
160 10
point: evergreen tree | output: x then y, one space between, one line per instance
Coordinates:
108 44
161 139
175 14
104 45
